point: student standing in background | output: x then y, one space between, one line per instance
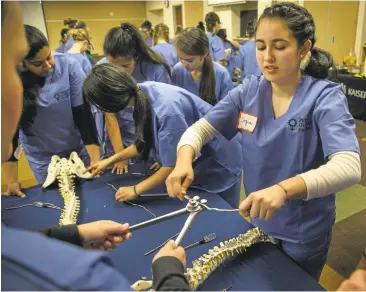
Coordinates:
147 32
124 46
78 51
196 71
246 59
217 50
177 32
79 24
229 51
162 45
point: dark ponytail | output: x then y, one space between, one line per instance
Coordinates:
200 25
32 83
320 63
194 42
112 89
211 20
143 125
301 24
222 35
126 41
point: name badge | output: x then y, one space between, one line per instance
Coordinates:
246 122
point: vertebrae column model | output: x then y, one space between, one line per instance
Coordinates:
65 171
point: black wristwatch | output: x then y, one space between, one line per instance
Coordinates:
364 253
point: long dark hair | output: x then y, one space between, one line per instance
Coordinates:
222 35
112 89
301 24
194 42
211 19
32 83
126 41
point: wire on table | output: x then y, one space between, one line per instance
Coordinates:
133 204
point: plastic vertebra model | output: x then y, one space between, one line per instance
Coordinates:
65 171
206 264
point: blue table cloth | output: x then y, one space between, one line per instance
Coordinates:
263 267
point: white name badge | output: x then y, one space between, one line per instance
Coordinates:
247 122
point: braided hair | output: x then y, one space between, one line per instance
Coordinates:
161 30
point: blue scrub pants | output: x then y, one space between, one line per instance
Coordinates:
312 255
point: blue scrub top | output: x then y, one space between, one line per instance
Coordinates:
217 50
246 60
173 111
31 261
53 131
183 78
316 125
83 60
168 53
144 71
69 44
149 41
60 49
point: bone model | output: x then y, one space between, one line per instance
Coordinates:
207 263
65 171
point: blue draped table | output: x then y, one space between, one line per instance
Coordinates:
263 267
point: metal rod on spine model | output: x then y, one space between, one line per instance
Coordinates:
158 219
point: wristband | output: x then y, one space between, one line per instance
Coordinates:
134 190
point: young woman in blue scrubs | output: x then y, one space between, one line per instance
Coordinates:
125 47
55 120
298 142
79 24
229 47
147 32
217 50
81 44
162 46
196 71
162 112
246 59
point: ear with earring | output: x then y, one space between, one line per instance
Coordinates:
305 60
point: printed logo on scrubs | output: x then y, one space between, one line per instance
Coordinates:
300 125
62 95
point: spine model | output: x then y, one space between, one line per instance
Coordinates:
66 185
206 264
